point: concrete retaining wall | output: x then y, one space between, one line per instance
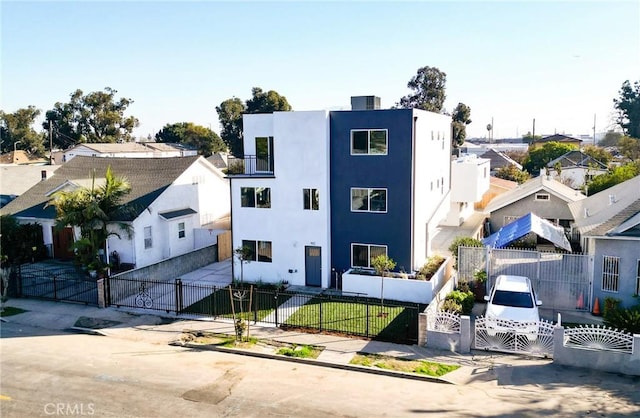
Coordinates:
604 360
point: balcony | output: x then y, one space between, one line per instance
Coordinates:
250 165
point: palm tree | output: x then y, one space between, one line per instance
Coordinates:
93 210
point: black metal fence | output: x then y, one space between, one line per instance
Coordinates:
395 321
54 283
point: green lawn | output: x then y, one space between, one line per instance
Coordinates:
219 304
387 323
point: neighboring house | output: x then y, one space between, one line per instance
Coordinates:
319 192
575 168
608 223
170 200
219 160
543 196
563 139
129 150
17 179
21 157
499 160
470 181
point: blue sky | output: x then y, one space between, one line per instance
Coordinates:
557 62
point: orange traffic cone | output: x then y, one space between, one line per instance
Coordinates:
596 308
580 302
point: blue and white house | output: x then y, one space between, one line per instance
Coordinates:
323 191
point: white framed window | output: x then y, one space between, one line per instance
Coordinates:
362 254
148 240
542 197
368 200
181 230
311 199
258 250
255 197
369 142
610 273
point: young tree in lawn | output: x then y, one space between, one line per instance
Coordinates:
383 265
246 255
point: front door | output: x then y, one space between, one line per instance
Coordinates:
62 241
313 266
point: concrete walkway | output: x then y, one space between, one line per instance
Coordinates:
285 310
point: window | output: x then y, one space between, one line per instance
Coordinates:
258 250
148 242
368 200
638 279
255 197
362 254
369 141
181 231
542 197
311 199
610 273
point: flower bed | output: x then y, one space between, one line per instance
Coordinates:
397 286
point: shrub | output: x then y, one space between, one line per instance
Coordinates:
430 267
450 305
464 299
622 319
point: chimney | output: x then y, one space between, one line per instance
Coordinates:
365 103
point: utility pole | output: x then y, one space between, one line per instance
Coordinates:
533 134
594 129
50 143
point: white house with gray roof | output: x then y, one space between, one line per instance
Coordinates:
171 200
130 150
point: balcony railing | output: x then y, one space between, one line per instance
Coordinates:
250 165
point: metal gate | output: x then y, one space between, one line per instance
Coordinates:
562 281
533 338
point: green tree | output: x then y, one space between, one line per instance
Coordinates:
629 147
93 209
204 139
460 119
628 107
230 115
615 176
94 117
20 243
428 86
539 158
17 131
513 173
383 265
528 138
597 153
610 139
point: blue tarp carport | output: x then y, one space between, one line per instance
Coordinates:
524 225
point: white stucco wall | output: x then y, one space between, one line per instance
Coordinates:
202 188
469 179
432 178
301 160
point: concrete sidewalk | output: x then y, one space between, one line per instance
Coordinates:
137 325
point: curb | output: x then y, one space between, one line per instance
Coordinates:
320 363
88 331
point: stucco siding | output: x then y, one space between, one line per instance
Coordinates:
554 208
300 151
628 251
